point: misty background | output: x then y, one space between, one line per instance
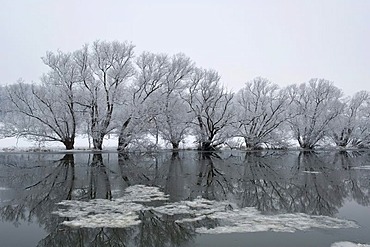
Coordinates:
285 41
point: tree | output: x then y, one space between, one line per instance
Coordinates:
349 128
361 135
104 73
150 71
315 105
261 110
210 105
172 117
49 110
3 97
6 127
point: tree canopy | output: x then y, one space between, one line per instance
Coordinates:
104 88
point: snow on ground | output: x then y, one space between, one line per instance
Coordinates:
123 212
23 144
81 143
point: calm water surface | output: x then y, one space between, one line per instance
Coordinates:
276 191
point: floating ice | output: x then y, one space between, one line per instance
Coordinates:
226 217
234 219
100 213
251 220
198 207
142 193
312 172
118 213
361 167
3 188
348 244
111 220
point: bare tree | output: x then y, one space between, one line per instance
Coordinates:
3 97
315 105
261 110
104 73
210 105
7 114
151 70
49 110
173 116
361 135
349 128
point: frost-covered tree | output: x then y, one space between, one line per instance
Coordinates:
210 105
2 101
351 128
172 116
49 110
315 105
104 71
261 108
36 114
137 111
5 107
361 136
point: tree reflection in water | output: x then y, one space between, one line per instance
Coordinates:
47 186
311 184
211 183
99 180
357 183
315 183
263 184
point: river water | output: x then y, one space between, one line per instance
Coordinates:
187 198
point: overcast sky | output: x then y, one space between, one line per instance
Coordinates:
287 41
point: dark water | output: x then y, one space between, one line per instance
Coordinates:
334 184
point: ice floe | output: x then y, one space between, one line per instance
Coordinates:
100 213
361 167
312 172
118 213
348 244
225 217
251 220
142 193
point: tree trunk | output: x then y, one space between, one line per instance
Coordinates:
343 139
307 146
122 142
175 145
249 145
69 143
123 138
206 146
98 143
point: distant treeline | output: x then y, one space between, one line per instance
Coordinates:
104 89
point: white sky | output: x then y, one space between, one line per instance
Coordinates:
286 41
